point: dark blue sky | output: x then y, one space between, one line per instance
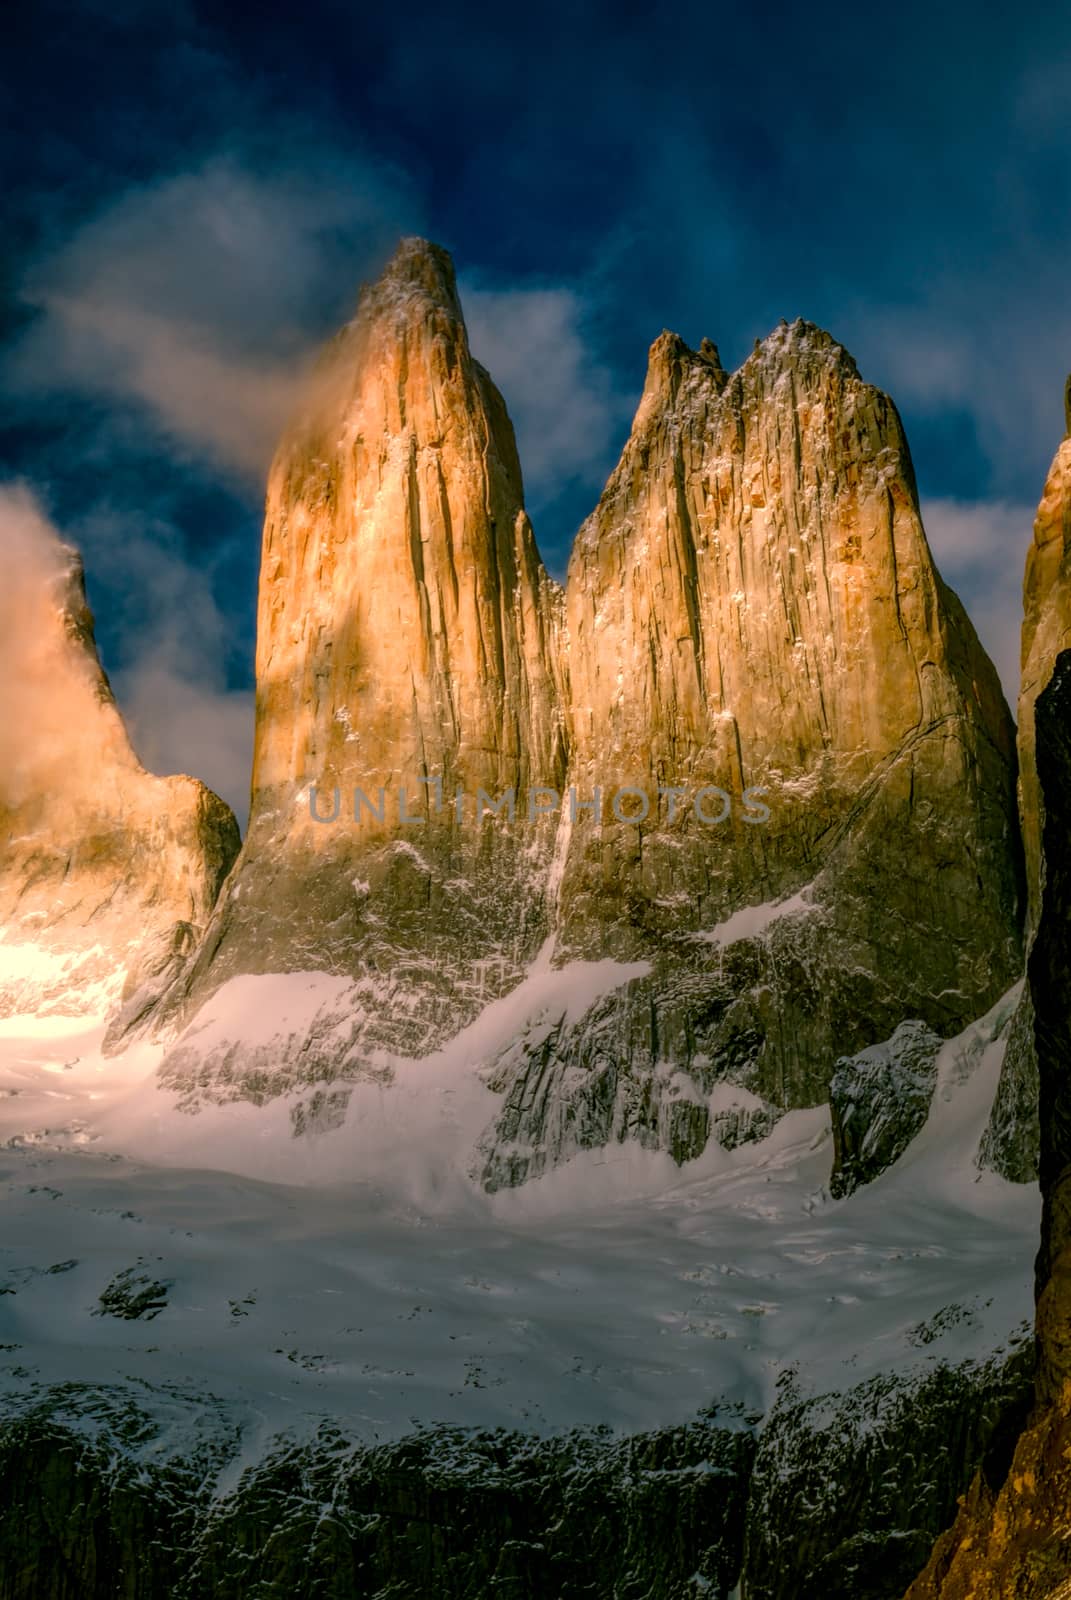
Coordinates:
194 194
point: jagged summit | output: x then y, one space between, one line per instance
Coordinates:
419 272
672 366
103 866
788 341
679 377
670 350
406 632
752 605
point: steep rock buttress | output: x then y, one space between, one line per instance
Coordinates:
405 657
753 607
108 874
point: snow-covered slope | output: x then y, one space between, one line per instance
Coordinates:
360 1272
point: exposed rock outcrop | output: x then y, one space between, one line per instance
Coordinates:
836 1497
405 653
99 859
1011 1143
96 1484
848 1491
1046 631
1012 1136
1011 1535
879 1101
751 607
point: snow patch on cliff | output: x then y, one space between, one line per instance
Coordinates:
751 921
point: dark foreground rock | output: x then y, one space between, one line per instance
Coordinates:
1011 1537
849 1491
95 1507
112 1494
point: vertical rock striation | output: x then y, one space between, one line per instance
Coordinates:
753 606
1011 1142
405 653
105 870
1046 631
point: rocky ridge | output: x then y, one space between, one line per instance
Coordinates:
1046 631
1012 1142
751 607
108 874
1010 1535
879 1101
405 655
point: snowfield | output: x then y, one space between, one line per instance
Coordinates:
360 1274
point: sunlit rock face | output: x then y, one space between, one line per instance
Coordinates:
1012 1141
1010 1536
753 607
105 870
1046 631
405 650
753 602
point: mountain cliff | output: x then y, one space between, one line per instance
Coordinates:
759 847
1010 1535
1011 1143
107 873
752 610
1046 631
762 770
406 682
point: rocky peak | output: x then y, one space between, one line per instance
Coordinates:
406 651
419 276
790 342
1046 631
752 605
99 860
677 378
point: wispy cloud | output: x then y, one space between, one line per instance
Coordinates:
201 296
980 548
175 635
47 707
170 687
565 404
183 314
